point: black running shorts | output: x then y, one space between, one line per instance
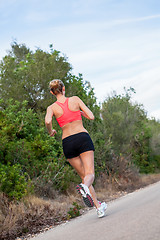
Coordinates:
76 144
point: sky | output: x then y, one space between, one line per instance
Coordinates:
112 43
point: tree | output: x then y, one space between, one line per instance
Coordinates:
25 75
121 119
127 125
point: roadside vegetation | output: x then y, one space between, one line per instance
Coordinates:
36 183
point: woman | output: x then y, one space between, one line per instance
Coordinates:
77 145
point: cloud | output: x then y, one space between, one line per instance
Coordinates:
131 20
155 114
37 17
104 24
146 84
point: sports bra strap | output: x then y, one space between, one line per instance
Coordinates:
62 105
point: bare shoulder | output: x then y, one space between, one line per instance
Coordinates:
51 108
75 98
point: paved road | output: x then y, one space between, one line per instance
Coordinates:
135 216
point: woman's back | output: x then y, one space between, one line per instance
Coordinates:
66 111
68 115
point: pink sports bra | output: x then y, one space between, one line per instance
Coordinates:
68 115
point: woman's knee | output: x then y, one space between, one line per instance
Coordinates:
90 175
93 176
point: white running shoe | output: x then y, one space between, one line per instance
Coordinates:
84 191
101 210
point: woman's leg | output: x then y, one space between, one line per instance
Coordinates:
82 170
87 159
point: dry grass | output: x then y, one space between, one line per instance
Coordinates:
31 214
34 214
149 179
108 188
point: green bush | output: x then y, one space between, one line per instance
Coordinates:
13 182
58 174
29 146
74 211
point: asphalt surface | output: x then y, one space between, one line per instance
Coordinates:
135 216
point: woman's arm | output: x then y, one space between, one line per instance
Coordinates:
85 115
48 121
86 112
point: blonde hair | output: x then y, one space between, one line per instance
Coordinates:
56 86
